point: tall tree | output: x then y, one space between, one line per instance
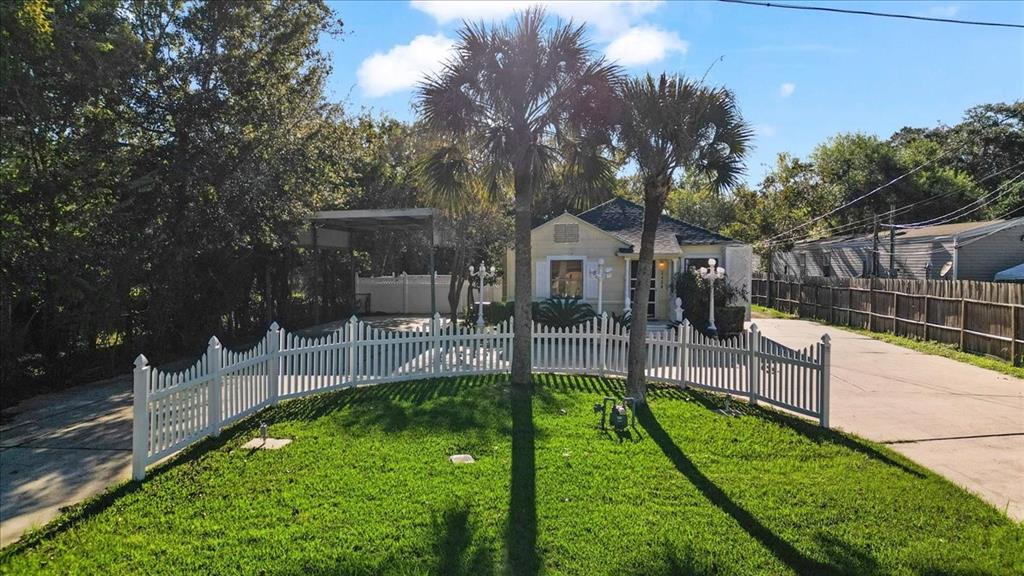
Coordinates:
512 99
788 196
670 127
157 156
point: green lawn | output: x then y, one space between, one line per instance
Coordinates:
366 488
926 346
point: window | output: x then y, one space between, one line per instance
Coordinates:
567 233
567 278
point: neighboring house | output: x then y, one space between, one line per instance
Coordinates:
965 251
567 248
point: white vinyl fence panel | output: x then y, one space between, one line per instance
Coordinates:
410 293
175 409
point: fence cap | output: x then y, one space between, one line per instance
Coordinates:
826 339
274 326
353 318
754 328
214 342
141 361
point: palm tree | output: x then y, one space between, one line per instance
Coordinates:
674 127
508 105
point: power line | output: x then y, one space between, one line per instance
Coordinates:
872 13
849 226
981 202
855 200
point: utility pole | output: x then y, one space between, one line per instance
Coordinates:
874 250
892 241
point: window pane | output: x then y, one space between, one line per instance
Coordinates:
567 278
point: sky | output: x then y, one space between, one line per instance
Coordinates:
799 77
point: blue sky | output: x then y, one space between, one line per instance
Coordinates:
799 76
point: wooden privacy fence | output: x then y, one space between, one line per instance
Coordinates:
175 409
980 317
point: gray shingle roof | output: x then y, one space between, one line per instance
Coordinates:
624 220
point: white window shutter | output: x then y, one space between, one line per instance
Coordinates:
589 282
543 279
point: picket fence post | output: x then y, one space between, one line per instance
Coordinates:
684 360
825 359
140 418
435 343
351 331
755 363
213 356
603 342
273 363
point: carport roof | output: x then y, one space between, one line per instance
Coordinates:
372 220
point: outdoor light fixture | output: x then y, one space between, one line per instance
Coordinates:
263 431
711 273
601 273
619 417
483 274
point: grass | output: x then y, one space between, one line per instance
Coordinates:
366 488
926 346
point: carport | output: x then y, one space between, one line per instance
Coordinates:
333 229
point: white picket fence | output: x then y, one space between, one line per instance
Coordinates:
175 409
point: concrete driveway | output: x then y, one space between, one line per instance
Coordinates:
58 449
961 421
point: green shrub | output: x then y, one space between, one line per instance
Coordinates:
694 292
562 312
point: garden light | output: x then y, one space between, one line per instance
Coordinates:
711 273
619 417
483 274
601 273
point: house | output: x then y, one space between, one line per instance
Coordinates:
569 249
964 251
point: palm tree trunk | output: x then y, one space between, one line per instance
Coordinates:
523 320
636 382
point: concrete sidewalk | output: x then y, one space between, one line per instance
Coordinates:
964 422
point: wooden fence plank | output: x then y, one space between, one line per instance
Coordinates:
970 314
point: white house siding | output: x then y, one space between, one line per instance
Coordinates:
981 257
592 245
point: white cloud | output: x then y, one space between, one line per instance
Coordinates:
404 65
765 130
607 18
941 11
643 45
786 89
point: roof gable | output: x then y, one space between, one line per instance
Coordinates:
566 217
624 220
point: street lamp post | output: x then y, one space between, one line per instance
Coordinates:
711 273
483 274
601 273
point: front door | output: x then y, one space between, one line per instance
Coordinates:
652 294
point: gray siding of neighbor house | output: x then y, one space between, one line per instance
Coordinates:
981 258
982 254
849 259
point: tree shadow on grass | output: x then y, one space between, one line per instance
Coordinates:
809 430
457 553
521 534
783 550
